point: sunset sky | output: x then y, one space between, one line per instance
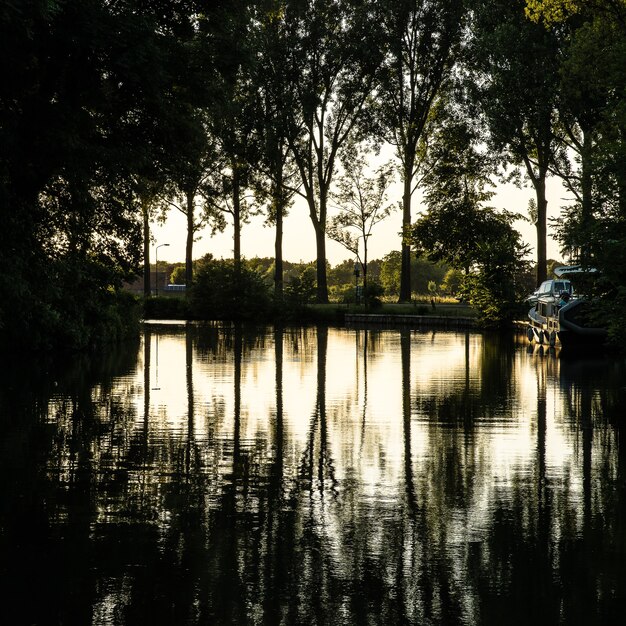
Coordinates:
299 239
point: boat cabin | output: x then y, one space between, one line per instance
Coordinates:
547 308
554 288
551 289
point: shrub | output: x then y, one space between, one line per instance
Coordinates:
373 294
301 290
344 294
166 308
221 291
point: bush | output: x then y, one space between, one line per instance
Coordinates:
343 294
76 308
452 281
117 320
166 308
301 290
346 294
372 295
221 291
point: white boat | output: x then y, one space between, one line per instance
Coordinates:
551 288
565 325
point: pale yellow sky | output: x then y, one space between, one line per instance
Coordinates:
299 237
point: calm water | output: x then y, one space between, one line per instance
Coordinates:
220 475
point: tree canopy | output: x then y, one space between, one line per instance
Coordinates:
110 109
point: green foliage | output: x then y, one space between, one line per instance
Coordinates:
301 290
551 11
516 67
344 293
614 312
331 63
342 273
457 183
592 229
82 118
223 291
372 295
264 267
493 286
361 200
422 272
459 230
423 40
106 106
166 308
491 266
178 275
75 310
452 282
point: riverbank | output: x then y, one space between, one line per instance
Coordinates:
411 321
417 314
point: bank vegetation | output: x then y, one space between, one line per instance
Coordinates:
114 113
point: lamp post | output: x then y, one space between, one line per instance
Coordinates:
156 263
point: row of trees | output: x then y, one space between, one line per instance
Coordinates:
385 271
111 113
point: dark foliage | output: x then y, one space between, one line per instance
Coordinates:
81 90
166 308
224 291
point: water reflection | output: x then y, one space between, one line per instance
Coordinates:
232 475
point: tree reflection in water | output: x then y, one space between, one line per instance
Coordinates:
314 476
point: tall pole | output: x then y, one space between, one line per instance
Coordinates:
156 263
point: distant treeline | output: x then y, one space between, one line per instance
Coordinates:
385 272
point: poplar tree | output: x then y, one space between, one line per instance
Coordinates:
275 176
515 84
422 41
333 54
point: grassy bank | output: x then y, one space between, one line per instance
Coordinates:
165 307
337 312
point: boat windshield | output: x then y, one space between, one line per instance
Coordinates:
563 285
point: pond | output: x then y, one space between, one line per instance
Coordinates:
220 474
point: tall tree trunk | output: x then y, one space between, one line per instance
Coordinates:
278 250
189 245
405 268
322 284
586 189
538 178
147 288
319 225
236 220
542 212
365 267
278 200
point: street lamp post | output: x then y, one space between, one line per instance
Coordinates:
156 263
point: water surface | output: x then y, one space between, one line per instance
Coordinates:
233 475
